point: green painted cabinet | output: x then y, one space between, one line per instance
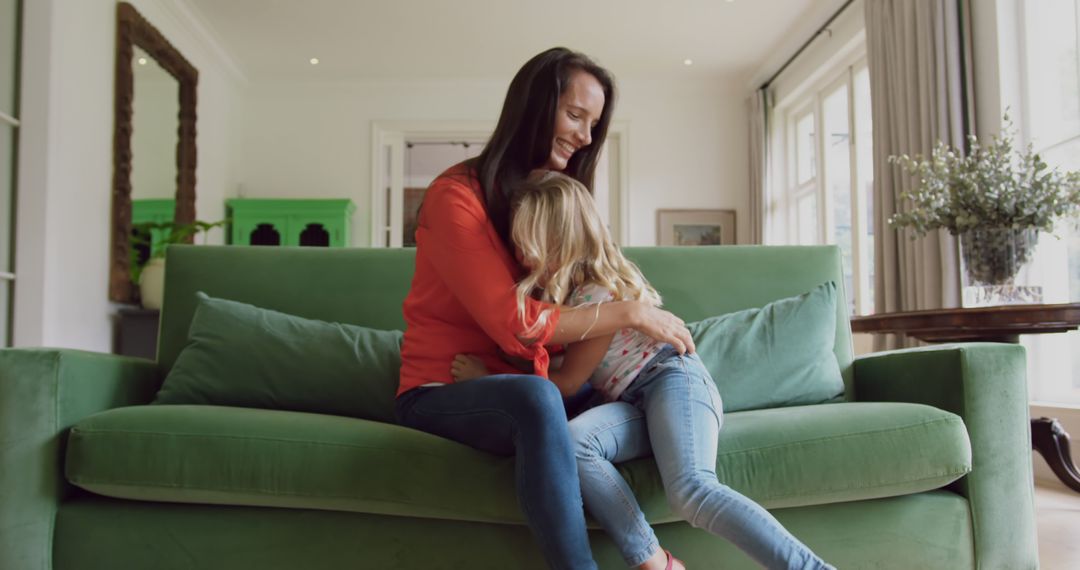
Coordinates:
314 223
155 211
152 210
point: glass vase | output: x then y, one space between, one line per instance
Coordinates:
991 261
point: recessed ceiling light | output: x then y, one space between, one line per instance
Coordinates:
314 61
688 62
142 61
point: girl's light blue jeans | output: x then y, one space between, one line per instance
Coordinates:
674 406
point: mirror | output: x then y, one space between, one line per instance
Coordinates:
153 136
154 133
156 109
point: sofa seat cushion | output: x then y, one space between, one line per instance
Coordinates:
208 454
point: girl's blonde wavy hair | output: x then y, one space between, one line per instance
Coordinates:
563 243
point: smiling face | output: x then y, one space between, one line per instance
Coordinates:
579 110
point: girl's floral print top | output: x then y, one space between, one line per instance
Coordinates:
628 354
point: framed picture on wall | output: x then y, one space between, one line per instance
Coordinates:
695 227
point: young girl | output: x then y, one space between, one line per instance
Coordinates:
654 394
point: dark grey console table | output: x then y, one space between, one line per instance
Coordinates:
137 332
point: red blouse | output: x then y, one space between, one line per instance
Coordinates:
462 296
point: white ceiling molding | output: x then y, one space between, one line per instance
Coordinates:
189 16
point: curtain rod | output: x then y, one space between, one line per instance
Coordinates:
466 144
823 28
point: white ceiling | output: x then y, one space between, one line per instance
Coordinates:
492 38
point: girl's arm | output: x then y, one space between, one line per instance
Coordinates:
580 359
584 322
579 362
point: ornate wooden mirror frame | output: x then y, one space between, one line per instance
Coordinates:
133 30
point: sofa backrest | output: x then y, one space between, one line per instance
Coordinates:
367 286
704 281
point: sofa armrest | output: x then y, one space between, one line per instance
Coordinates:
986 385
43 392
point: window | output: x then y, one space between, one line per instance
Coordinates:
828 179
805 143
804 191
1051 122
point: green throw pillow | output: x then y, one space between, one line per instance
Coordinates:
241 355
778 355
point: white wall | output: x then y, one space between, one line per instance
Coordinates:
687 149
313 140
65 163
687 140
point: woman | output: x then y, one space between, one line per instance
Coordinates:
555 116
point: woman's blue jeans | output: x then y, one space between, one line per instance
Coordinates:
523 416
673 409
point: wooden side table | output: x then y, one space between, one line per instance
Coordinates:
994 324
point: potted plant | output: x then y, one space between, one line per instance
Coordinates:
149 241
996 201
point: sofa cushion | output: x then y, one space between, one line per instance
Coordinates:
778 355
242 355
206 454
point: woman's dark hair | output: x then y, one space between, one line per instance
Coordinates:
523 137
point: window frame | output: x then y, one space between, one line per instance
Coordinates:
809 98
794 189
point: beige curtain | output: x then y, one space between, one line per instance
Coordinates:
760 112
918 55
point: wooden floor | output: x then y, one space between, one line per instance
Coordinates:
1057 513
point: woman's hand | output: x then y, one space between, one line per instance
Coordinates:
663 326
467 367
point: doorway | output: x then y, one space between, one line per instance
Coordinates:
407 156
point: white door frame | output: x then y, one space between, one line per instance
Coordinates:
388 166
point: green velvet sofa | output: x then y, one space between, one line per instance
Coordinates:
924 464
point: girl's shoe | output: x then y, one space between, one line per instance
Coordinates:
671 560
